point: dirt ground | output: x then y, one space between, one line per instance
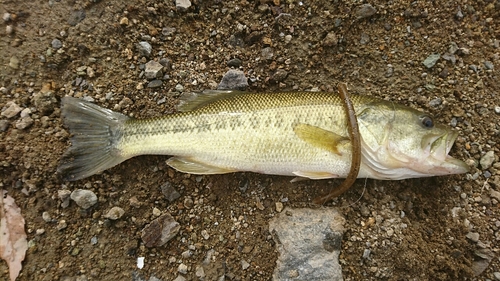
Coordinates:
443 228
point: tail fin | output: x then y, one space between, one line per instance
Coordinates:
95 133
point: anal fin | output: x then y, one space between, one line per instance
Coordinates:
314 175
191 166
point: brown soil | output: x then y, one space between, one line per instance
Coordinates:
414 229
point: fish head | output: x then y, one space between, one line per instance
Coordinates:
400 142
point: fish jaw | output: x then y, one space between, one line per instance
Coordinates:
442 163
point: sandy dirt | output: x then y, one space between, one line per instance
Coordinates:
443 228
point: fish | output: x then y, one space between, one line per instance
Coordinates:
299 134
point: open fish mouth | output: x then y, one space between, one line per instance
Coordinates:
443 163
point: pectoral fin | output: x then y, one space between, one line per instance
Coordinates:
320 138
190 166
314 175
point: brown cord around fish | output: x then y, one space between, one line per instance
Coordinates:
352 125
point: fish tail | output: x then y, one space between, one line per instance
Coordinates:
95 136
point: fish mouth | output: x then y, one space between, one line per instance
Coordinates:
439 149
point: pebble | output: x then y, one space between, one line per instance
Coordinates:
234 63
12 110
115 213
496 274
153 70
473 236
487 160
40 231
280 75
84 198
56 44
431 60
4 125
233 80
267 53
180 278
6 17
365 11
495 194
170 193
144 49
14 62
182 268
205 234
155 83
200 272
61 225
497 109
76 17
160 231
24 123
244 264
179 88
330 40
489 65
156 212
46 217
64 195
9 29
124 21
182 5
279 207
288 38
45 102
167 31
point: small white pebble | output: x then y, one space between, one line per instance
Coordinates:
140 262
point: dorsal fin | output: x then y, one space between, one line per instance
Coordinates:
192 101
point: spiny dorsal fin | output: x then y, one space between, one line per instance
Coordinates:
320 138
192 101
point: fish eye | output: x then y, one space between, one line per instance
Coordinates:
426 121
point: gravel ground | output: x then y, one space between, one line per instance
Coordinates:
439 56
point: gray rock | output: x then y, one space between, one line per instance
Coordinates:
45 102
473 236
4 125
431 60
64 195
234 63
489 65
308 242
155 83
12 110
84 198
56 44
487 160
170 193
114 213
495 194
267 53
179 88
496 274
144 49
160 231
76 17
167 31
182 5
233 80
484 257
153 70
24 123
365 11
497 109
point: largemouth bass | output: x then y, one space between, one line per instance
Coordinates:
302 134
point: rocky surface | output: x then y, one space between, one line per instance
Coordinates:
444 228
